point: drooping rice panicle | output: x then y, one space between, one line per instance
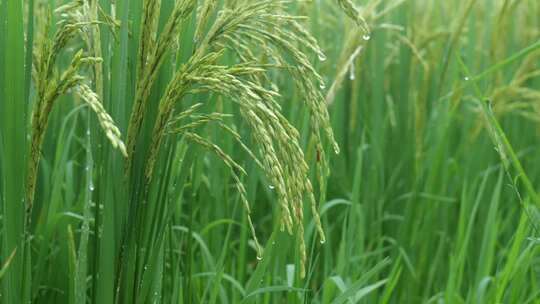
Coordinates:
50 86
276 139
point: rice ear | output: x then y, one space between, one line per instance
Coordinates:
259 25
106 122
204 12
49 83
352 12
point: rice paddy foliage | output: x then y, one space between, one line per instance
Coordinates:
242 151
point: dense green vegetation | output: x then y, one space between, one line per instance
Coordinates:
262 151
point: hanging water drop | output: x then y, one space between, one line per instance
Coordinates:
322 241
271 187
91 187
366 37
466 78
322 85
352 73
322 56
259 258
88 132
336 149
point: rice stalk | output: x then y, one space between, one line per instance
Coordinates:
342 73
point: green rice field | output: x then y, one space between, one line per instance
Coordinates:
269 151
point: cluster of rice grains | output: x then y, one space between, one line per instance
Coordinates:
243 28
51 83
246 29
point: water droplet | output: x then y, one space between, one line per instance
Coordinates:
322 56
322 241
259 258
271 187
91 187
352 72
366 37
322 86
466 78
336 149
86 168
88 132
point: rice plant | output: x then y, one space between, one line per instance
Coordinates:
269 151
